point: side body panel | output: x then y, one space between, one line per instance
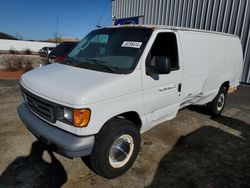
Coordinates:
209 60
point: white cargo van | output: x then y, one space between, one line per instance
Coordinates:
121 81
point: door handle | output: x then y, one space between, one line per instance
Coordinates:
179 87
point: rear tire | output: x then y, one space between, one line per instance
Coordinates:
116 148
216 106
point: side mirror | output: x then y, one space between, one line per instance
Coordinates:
162 64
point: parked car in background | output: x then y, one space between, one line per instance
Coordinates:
44 52
61 51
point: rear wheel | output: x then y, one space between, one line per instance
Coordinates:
216 106
116 148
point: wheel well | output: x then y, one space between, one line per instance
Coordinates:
133 117
226 85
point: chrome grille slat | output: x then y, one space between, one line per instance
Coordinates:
41 107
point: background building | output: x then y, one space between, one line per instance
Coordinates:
229 16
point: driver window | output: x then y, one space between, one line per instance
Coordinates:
164 45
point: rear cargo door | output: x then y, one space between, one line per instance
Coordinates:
162 92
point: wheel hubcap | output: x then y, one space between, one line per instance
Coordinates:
121 151
221 101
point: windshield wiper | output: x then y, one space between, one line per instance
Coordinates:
95 61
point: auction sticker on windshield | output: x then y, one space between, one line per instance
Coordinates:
131 44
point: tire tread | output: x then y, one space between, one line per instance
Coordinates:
110 128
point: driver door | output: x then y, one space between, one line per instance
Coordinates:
162 92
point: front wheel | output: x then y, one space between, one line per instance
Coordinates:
116 148
216 106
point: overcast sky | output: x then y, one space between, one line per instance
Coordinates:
37 19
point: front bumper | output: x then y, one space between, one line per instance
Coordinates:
62 142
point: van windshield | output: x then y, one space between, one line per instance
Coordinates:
115 50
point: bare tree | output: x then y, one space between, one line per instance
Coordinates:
18 36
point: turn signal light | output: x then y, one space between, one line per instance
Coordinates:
81 117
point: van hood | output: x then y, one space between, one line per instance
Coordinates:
77 87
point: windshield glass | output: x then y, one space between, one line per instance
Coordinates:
63 49
115 50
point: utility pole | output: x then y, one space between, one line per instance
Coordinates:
56 29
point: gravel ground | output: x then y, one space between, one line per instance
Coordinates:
192 150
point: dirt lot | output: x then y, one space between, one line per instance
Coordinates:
193 150
10 75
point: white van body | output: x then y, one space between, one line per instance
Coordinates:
207 60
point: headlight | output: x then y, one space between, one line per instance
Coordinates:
78 117
68 114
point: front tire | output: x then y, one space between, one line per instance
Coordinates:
116 148
216 106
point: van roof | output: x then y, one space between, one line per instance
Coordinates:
156 27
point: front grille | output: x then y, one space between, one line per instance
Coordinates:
41 107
